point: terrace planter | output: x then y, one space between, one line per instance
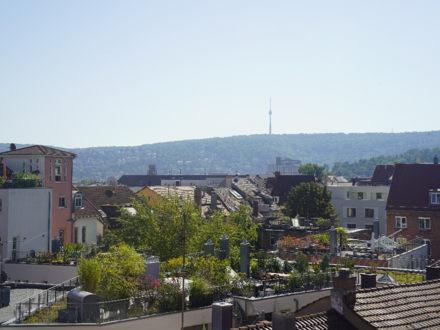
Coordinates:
201 300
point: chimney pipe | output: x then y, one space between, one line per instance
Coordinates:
228 181
277 176
213 200
222 316
436 160
209 249
419 159
245 258
255 209
344 291
198 196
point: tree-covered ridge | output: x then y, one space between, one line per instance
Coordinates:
365 167
245 154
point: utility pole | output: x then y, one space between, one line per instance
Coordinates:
183 270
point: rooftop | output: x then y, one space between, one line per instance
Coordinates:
38 150
404 306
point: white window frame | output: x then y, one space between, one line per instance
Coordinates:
59 201
403 224
59 162
367 208
81 199
60 174
422 223
377 197
359 195
351 208
435 198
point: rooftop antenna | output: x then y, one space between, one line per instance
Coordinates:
270 116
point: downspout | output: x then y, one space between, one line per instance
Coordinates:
297 303
49 225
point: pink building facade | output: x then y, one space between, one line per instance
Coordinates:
55 168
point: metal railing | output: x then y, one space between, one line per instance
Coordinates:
33 257
25 308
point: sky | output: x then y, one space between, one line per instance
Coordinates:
123 73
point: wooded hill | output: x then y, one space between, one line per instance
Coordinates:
252 154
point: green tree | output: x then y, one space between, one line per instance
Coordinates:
325 263
312 169
113 275
310 200
301 263
160 226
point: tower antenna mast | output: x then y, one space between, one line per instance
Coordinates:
270 117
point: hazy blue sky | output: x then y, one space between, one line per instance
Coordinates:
100 73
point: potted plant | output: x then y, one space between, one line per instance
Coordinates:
373 268
200 293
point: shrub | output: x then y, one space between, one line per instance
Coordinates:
287 266
325 263
302 263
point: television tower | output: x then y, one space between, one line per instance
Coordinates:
270 117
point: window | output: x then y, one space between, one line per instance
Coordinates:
0 204
59 161
36 160
65 161
369 213
369 227
351 225
65 173
50 173
400 222
30 161
348 194
272 240
78 201
379 196
76 235
51 160
360 195
30 168
351 212
62 201
435 198
83 234
425 223
57 173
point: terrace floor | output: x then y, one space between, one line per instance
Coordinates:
7 313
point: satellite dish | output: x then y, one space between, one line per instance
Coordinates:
12 147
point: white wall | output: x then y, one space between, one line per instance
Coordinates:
413 259
93 228
27 214
16 163
342 203
38 273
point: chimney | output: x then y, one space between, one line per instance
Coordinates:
228 181
255 209
368 281
376 228
224 244
333 241
221 316
436 160
419 159
245 261
277 176
283 321
260 183
198 196
213 200
432 273
209 249
344 291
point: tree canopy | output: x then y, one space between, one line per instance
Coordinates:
159 226
312 169
310 200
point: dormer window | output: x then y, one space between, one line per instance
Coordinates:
435 198
78 201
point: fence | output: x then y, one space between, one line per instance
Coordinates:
25 308
33 257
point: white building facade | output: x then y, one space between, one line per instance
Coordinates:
25 221
359 206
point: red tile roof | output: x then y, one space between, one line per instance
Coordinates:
410 187
404 306
382 173
38 150
87 211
